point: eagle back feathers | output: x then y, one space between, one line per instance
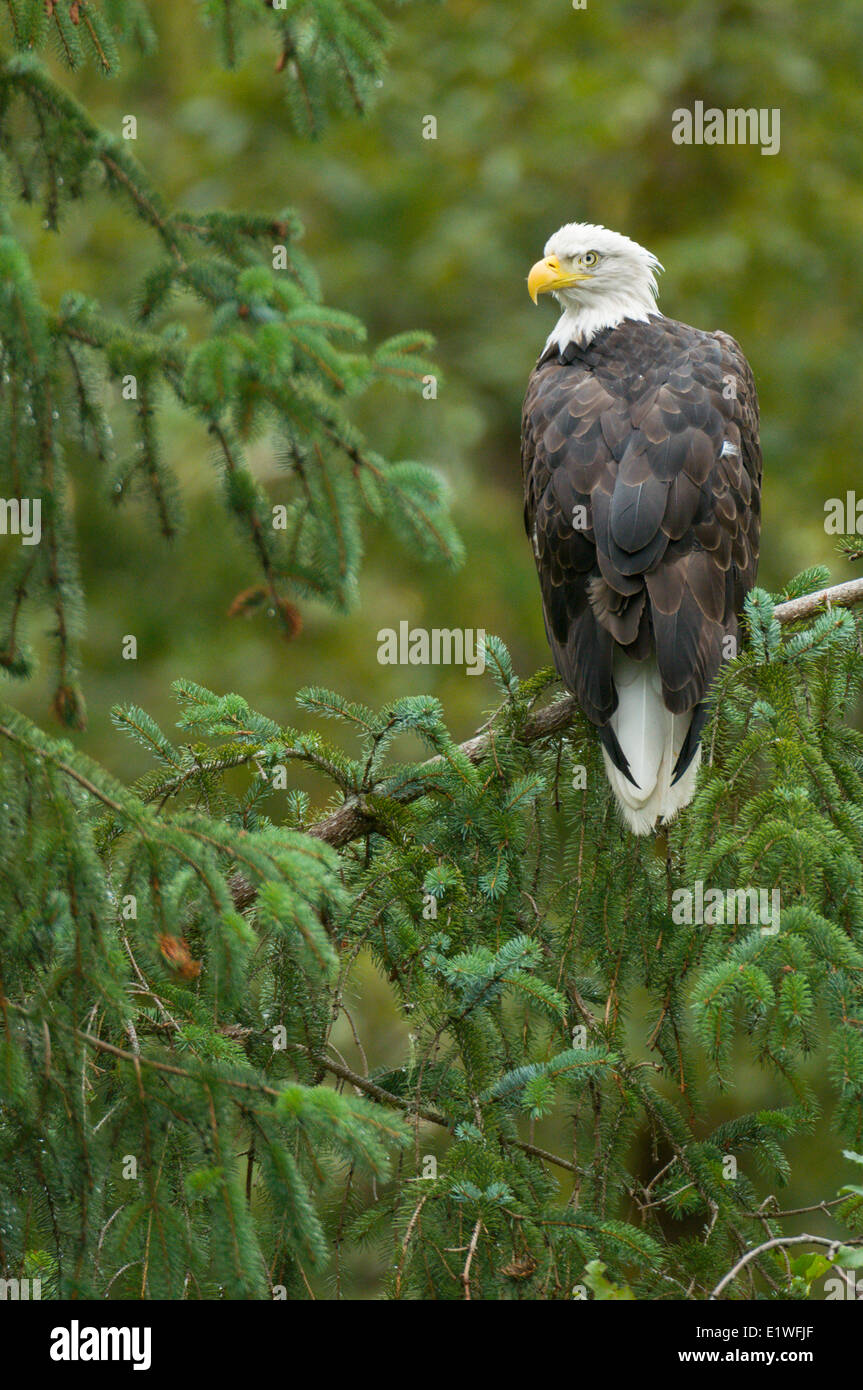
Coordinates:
642 478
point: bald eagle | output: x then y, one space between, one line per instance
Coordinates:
642 482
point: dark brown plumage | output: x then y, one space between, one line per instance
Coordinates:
652 429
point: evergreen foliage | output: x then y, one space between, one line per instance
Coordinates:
229 322
175 1118
175 961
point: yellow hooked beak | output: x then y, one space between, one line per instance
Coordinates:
547 275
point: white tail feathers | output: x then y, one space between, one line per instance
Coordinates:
651 738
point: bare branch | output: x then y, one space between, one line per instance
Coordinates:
782 1241
465 1277
840 596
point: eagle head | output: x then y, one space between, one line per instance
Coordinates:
589 268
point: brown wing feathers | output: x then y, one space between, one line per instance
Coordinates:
651 430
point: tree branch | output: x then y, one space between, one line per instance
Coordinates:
773 1245
362 1083
840 596
354 819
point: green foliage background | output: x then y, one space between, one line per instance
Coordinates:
545 114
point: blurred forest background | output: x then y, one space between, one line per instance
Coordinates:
545 114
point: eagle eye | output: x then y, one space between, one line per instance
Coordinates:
589 259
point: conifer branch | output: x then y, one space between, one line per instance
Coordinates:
270 357
355 817
362 1083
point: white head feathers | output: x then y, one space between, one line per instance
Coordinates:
619 281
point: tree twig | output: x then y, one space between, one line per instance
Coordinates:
465 1278
774 1244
